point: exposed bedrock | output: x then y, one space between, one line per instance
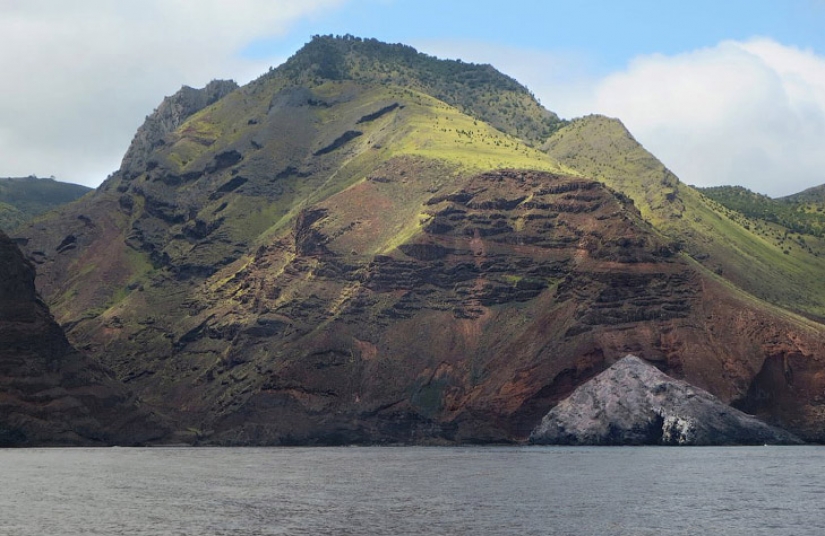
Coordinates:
633 403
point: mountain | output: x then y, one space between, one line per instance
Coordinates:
22 199
52 395
368 244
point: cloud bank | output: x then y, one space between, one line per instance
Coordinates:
749 113
79 77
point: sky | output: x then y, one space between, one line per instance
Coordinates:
722 92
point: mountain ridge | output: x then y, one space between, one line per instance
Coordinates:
469 88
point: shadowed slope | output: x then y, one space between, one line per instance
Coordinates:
52 395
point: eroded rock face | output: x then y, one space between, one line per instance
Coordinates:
633 403
50 394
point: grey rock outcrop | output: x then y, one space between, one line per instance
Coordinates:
634 403
167 117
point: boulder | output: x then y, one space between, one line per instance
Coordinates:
634 403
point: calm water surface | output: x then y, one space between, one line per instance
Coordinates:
410 490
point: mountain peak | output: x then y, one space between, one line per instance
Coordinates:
478 90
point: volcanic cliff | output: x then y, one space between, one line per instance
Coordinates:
368 244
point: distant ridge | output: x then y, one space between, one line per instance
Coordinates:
802 213
24 198
815 194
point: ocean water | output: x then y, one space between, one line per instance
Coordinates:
413 490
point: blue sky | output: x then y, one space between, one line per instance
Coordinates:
723 92
610 33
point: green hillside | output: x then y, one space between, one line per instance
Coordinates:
815 195
21 199
800 214
768 261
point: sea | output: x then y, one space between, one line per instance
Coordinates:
414 491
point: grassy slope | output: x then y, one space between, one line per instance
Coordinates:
726 244
422 127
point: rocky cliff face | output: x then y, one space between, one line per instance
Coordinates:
51 395
633 403
170 115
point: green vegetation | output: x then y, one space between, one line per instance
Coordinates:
765 259
798 214
24 198
441 132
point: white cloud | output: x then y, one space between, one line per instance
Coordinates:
78 77
749 113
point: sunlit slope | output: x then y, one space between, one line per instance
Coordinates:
298 146
336 137
724 242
